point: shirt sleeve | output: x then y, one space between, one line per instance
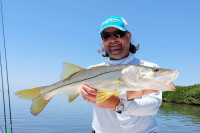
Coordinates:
142 106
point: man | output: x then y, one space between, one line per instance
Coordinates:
132 111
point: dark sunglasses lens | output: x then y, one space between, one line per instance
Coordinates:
119 33
105 36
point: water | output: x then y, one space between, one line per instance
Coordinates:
178 118
62 117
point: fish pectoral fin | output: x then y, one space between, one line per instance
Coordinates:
103 95
118 81
112 82
72 97
69 69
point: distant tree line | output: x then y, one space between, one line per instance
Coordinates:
184 94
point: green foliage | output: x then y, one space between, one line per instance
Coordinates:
184 94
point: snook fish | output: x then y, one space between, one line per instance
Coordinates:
108 80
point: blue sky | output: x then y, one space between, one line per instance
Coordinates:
41 35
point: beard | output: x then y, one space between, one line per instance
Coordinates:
115 49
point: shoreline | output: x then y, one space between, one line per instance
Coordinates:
183 95
198 104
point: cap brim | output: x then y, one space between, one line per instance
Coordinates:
118 27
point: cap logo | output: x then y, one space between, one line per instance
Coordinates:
111 20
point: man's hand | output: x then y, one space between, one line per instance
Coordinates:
89 94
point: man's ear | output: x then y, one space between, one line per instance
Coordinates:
129 35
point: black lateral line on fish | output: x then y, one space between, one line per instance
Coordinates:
82 80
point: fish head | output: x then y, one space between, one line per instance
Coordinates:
133 75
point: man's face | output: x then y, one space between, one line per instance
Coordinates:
115 45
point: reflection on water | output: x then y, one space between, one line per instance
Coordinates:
178 118
61 117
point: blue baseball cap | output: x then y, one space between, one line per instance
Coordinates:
115 21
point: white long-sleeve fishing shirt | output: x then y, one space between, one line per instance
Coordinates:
138 114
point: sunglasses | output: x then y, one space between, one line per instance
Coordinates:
118 34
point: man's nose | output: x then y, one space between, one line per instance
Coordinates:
112 38
112 41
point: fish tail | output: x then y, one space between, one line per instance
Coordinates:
38 102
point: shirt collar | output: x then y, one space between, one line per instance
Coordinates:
126 60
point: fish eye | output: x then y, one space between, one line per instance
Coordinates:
156 70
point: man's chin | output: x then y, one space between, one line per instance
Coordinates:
115 52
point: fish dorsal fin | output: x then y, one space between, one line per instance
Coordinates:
69 69
103 95
97 67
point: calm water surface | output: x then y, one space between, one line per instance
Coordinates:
61 117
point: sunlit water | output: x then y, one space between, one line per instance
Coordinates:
61 117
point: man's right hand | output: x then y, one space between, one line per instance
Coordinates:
89 94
